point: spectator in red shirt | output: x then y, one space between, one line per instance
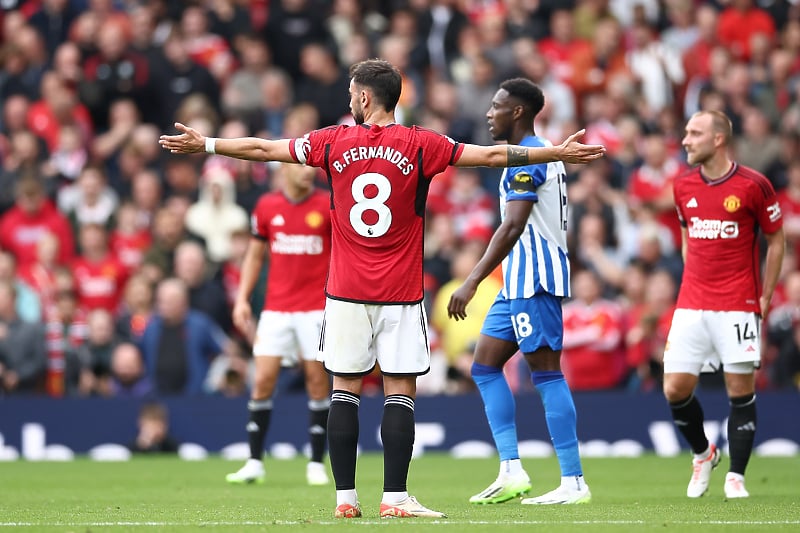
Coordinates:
99 276
33 215
592 355
129 239
650 184
58 106
739 22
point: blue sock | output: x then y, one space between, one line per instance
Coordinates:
559 411
500 408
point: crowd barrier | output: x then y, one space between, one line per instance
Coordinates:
609 424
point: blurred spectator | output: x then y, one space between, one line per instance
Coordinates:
66 330
89 200
559 105
22 348
789 199
153 431
593 357
438 25
467 204
562 47
32 216
168 231
129 240
206 293
291 25
592 71
146 195
23 159
96 351
128 378
241 95
458 339
99 275
52 20
648 325
28 305
115 71
231 374
179 343
784 318
650 185
758 147
70 154
276 97
178 76
681 33
58 106
596 250
230 272
739 22
441 245
123 118
40 275
323 83
215 216
136 309
205 48
656 67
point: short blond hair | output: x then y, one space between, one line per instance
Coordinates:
720 123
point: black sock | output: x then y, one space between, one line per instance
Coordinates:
260 412
741 431
397 434
343 438
688 417
318 427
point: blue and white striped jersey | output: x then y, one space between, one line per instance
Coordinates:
539 261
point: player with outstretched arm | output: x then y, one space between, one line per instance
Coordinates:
379 172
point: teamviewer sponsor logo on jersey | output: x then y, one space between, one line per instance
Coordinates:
713 229
297 244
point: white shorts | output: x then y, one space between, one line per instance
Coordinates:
288 335
699 340
355 336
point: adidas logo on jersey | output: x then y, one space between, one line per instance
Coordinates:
277 220
692 202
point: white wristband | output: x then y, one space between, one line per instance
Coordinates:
211 143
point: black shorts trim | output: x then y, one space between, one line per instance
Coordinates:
370 302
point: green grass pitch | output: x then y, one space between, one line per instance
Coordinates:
167 494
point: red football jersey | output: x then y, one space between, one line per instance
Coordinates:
379 178
722 218
299 237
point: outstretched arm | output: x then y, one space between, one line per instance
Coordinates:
190 141
570 151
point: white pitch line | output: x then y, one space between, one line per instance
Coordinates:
454 522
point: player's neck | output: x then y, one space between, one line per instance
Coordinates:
716 168
379 118
517 136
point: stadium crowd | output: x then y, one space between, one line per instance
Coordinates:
119 263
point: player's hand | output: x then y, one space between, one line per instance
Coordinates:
457 306
763 303
243 318
188 142
573 151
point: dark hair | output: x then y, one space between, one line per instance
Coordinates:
525 91
382 78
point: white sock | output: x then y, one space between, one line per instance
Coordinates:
510 467
393 498
348 496
573 482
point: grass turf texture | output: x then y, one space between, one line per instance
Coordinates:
167 494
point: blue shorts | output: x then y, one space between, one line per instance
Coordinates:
532 323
